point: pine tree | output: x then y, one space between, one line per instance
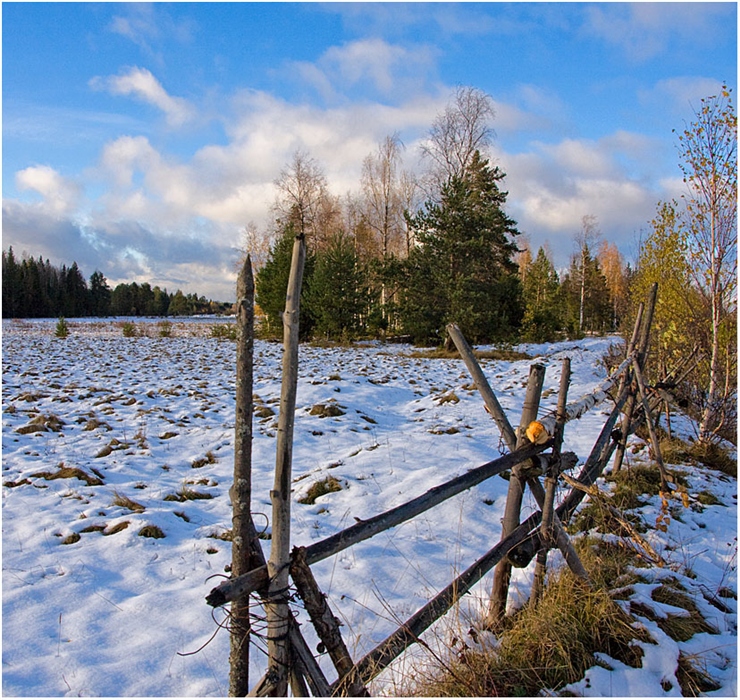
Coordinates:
465 260
338 297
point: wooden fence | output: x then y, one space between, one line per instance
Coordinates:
535 453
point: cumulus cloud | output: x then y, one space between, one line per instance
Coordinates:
140 83
59 195
552 186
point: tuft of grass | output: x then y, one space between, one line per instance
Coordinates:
326 410
185 493
129 329
164 329
126 502
637 481
552 644
152 531
210 458
714 456
118 527
64 472
42 424
320 488
693 679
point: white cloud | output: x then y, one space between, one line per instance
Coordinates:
391 70
646 29
680 94
140 83
552 186
60 195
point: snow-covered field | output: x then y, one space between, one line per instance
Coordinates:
90 607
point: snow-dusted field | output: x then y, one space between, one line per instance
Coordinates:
90 607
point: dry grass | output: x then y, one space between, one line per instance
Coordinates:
64 472
152 531
185 493
441 353
126 502
550 645
320 488
209 458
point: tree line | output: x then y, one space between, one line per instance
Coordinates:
404 256
407 255
34 288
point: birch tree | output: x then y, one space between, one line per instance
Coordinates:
463 129
708 151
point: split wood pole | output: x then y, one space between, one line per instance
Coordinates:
664 476
502 572
326 625
643 342
551 482
484 388
241 491
278 613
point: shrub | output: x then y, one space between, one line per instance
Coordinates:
129 329
164 329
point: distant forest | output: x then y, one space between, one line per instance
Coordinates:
34 288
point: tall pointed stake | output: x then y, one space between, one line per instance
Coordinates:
278 613
241 491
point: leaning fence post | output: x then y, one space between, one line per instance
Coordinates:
278 613
502 572
241 491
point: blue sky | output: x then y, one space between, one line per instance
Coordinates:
140 139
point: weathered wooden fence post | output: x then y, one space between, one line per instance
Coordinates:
643 340
502 572
278 613
241 491
551 482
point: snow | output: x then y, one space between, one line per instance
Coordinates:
113 614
